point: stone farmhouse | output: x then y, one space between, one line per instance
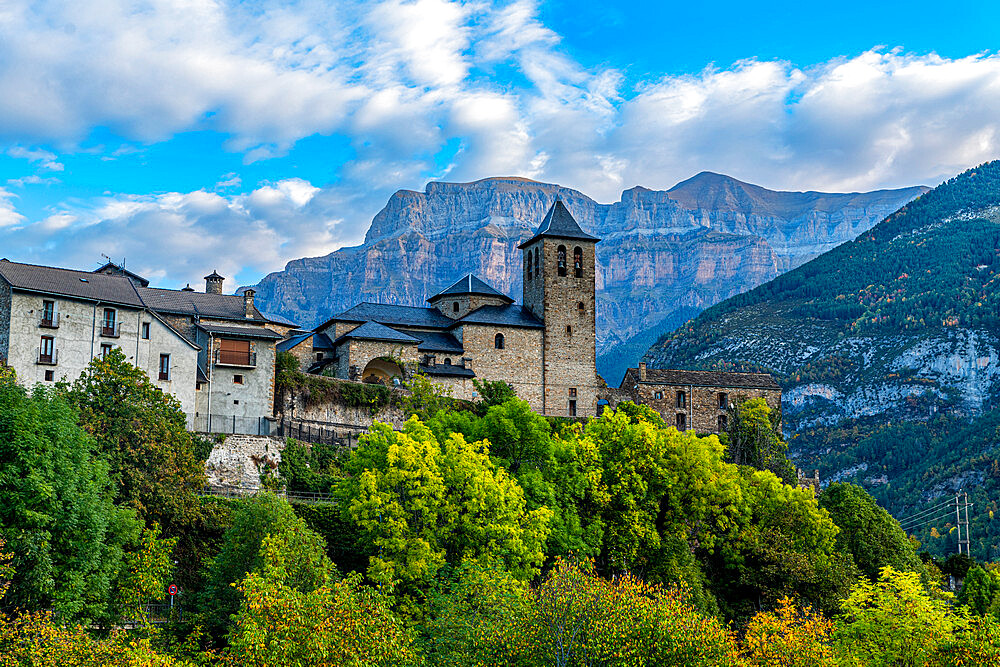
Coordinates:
544 347
695 400
214 352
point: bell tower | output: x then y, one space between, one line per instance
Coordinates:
560 289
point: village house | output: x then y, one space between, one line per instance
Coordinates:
544 348
695 400
214 352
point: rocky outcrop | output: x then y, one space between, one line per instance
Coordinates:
664 254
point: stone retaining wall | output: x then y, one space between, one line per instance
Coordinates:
238 460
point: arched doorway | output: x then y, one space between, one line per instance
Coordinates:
380 371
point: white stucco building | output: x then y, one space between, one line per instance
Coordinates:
214 352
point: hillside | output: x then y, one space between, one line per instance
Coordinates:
886 347
664 257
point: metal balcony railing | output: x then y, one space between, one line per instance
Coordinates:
49 321
50 358
235 358
110 329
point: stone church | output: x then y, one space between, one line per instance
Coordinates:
544 347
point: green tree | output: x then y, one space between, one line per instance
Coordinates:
753 438
425 398
979 590
867 532
57 516
421 505
517 434
892 621
143 433
492 392
255 519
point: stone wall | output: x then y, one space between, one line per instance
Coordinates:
466 304
362 352
304 353
700 406
238 460
518 363
5 305
294 406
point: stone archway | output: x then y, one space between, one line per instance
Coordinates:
380 371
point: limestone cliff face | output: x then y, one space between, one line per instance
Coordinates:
663 253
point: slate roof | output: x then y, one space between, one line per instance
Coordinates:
322 342
452 370
413 316
277 319
560 223
114 268
222 306
469 284
102 287
510 315
375 331
289 343
242 332
700 379
438 342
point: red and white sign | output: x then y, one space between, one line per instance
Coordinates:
172 589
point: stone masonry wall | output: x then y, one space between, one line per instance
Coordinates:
304 353
519 363
466 304
362 352
234 461
5 305
701 408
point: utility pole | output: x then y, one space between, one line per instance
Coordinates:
958 522
965 522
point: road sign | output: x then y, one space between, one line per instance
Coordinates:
172 590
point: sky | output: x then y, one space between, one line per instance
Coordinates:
186 136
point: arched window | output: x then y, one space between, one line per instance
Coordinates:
527 265
536 261
580 308
498 341
578 262
569 330
561 260
454 307
447 361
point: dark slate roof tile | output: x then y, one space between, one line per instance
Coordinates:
438 342
110 289
701 378
375 331
469 284
447 370
413 316
222 306
510 316
259 333
560 223
289 343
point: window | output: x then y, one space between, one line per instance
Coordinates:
561 260
536 262
106 349
569 330
49 315
681 421
572 392
49 376
47 350
234 352
527 265
237 379
723 423
658 395
454 307
572 408
164 366
498 341
319 356
580 308
109 326
723 400
447 361
145 330
578 262
681 399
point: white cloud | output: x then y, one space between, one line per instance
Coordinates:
406 80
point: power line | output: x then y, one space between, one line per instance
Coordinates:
927 521
925 511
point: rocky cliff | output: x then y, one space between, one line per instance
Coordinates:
665 255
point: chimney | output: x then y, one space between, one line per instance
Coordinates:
213 283
187 288
248 303
642 371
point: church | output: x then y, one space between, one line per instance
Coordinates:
543 347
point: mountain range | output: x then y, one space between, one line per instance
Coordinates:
888 351
665 255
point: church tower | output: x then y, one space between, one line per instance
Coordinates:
559 289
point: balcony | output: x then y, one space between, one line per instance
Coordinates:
50 358
49 321
235 358
110 329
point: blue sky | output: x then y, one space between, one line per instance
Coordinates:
186 137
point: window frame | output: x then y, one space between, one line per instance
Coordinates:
164 370
144 330
499 341
578 262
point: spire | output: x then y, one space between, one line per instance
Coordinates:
560 223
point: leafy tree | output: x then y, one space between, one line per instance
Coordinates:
492 392
976 642
979 590
425 398
516 433
892 621
312 468
867 532
57 517
421 504
753 438
143 433
256 519
789 636
342 623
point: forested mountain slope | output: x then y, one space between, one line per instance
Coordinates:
887 347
